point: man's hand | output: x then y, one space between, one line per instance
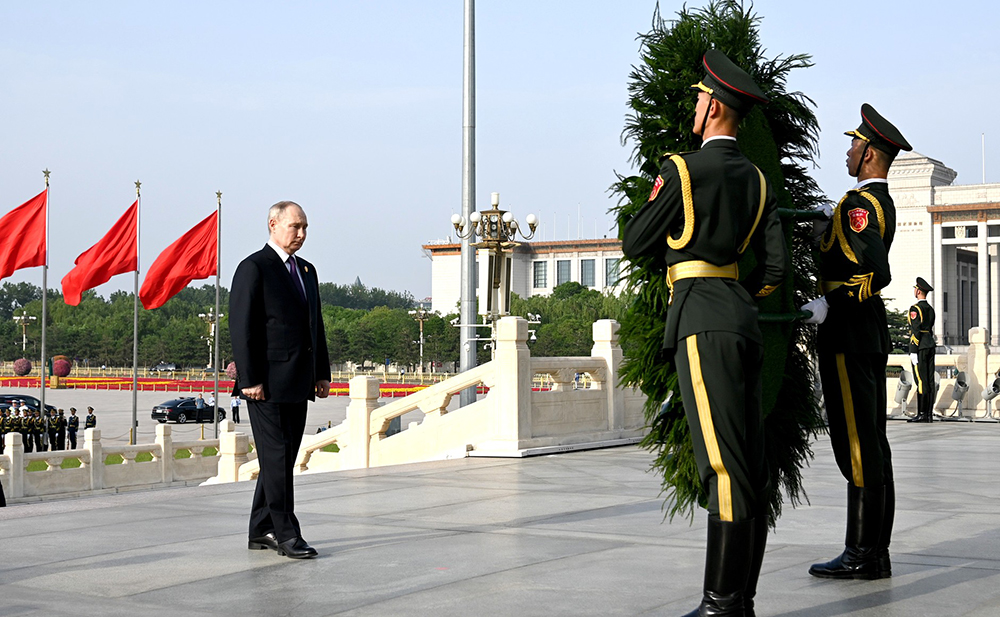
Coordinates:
322 388
819 308
914 359
255 393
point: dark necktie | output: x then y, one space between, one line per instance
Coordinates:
292 267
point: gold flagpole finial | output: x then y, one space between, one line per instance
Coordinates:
137 185
218 196
46 173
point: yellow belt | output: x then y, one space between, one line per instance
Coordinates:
828 286
700 269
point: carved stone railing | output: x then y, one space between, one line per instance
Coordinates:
508 419
94 474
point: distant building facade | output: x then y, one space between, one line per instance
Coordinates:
537 268
948 234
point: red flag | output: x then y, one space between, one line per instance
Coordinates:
191 257
113 254
22 235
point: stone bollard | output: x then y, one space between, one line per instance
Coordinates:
606 346
14 450
513 382
234 450
92 444
166 443
364 400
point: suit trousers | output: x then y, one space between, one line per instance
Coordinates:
277 432
855 397
924 373
719 378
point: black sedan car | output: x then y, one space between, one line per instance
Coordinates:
29 401
183 410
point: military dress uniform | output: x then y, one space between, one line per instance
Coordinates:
26 433
38 431
922 343
53 430
72 426
3 429
853 344
91 420
706 208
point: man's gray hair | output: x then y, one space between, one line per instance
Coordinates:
276 211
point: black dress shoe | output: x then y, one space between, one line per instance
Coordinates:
268 540
296 548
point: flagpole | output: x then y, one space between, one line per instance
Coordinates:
218 273
135 323
45 296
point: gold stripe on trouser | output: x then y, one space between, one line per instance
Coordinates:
725 489
920 382
852 428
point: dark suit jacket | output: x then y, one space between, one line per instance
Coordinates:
278 340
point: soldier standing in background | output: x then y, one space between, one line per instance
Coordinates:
61 430
72 426
91 420
53 430
922 348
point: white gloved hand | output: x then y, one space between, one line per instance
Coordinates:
819 227
913 359
819 308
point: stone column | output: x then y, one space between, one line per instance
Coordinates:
234 450
938 282
166 442
513 380
92 444
364 392
14 449
606 346
982 276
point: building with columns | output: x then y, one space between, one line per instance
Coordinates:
948 234
536 268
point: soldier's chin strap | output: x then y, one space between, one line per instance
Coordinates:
861 161
704 119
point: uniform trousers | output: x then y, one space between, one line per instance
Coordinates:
277 432
72 439
924 374
719 378
854 393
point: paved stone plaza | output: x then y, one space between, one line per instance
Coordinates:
571 534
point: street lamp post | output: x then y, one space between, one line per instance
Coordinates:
498 230
420 314
24 319
211 319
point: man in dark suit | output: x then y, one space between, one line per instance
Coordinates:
706 208
279 346
853 345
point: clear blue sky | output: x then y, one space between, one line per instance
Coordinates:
354 110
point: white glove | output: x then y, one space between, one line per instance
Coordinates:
819 308
913 359
819 227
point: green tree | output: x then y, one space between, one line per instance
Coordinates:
781 139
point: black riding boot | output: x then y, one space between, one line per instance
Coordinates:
888 516
756 560
727 562
864 525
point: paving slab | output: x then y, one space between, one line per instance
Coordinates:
571 534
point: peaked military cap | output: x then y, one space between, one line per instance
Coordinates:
923 286
729 83
879 132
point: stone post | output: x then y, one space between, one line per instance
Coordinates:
606 346
14 449
234 449
92 444
977 375
513 381
166 443
356 451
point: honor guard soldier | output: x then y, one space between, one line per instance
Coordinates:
61 430
91 420
38 428
26 432
853 343
72 426
922 348
706 208
53 430
3 429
